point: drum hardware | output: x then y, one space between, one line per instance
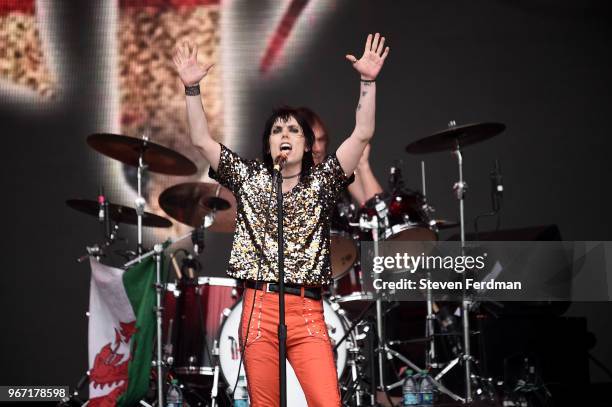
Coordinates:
453 139
430 355
357 388
92 251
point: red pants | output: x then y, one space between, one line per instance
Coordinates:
309 349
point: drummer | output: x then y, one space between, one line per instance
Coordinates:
365 185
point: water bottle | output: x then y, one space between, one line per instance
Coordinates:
241 395
410 397
174 398
426 388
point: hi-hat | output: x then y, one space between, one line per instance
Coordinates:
455 136
118 213
128 150
191 202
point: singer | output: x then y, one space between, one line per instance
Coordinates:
309 192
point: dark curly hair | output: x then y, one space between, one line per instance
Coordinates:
284 113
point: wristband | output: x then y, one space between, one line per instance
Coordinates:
193 90
368 80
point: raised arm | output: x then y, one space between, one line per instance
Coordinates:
368 67
191 73
366 185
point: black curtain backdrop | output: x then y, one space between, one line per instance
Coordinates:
542 67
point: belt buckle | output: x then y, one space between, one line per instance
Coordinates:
267 288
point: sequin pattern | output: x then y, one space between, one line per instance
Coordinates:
307 211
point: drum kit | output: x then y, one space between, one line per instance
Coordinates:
198 316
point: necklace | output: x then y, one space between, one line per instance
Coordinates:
293 176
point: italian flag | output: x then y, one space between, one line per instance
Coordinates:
121 333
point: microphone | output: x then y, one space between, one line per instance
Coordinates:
279 161
497 187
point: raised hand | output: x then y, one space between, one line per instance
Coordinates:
186 62
373 57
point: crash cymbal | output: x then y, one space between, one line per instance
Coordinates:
190 202
128 150
119 213
447 140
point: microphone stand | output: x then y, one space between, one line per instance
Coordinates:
282 328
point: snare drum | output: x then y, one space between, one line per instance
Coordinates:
193 314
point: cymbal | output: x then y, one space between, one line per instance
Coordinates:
128 149
119 213
447 140
190 202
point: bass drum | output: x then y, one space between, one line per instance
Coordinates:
229 351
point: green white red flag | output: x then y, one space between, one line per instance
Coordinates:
121 333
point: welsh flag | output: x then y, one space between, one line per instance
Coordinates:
121 333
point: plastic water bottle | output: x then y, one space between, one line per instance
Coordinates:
241 395
426 388
410 397
174 398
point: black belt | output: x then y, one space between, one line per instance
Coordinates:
293 289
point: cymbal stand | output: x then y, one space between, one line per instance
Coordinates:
139 203
460 188
430 355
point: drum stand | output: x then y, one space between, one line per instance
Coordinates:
460 187
430 355
157 252
383 346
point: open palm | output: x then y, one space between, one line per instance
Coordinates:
186 62
373 57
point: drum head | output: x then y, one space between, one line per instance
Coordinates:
229 352
343 253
